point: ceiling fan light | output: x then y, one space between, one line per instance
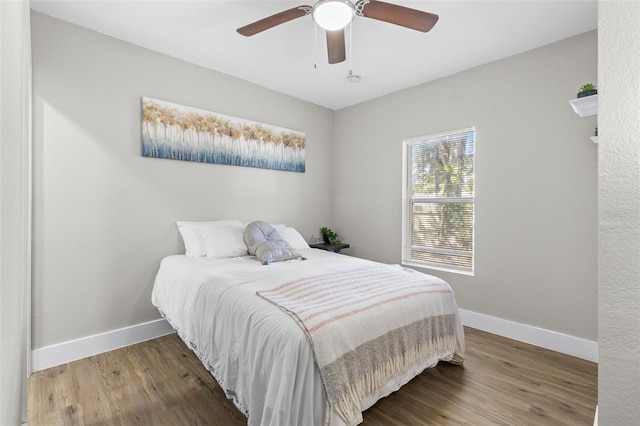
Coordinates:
333 14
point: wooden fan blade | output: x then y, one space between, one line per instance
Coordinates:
399 15
273 20
336 46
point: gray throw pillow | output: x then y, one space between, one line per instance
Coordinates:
266 244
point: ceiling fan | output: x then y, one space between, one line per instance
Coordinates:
335 15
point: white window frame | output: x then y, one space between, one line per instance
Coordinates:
407 203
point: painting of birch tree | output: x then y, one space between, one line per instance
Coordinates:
178 132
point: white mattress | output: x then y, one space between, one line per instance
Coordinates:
258 354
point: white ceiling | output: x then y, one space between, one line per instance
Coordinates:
388 57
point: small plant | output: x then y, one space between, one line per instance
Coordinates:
587 90
329 236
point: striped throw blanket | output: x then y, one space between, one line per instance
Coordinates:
369 325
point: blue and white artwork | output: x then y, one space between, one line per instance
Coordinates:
178 132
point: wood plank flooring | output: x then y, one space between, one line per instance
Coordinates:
160 382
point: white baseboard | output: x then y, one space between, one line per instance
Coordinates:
564 343
53 355
61 353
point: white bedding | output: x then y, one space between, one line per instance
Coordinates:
258 354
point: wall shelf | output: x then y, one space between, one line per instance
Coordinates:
586 106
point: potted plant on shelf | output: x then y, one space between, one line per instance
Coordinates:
329 236
587 90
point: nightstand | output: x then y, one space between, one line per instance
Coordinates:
330 247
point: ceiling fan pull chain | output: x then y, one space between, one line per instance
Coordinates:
351 48
315 46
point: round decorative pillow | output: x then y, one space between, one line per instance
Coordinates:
266 244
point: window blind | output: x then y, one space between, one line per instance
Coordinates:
438 200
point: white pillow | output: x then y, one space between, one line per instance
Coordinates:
293 237
217 239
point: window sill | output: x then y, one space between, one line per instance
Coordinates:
438 268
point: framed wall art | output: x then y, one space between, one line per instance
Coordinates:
178 132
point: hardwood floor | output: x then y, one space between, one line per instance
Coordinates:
160 382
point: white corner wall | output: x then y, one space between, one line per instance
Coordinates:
15 209
104 216
619 212
536 174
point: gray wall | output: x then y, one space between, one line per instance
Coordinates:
619 213
536 175
103 215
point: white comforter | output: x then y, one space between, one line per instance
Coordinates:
259 355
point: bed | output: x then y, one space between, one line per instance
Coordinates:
253 325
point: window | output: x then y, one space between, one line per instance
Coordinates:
438 201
